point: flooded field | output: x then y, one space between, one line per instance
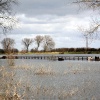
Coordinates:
50 80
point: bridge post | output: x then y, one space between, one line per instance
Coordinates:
78 58
87 58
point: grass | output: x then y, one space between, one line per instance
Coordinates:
40 53
63 95
12 88
44 71
7 84
82 52
74 53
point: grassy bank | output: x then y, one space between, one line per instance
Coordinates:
40 53
81 52
92 52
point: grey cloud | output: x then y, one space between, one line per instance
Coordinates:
50 17
40 7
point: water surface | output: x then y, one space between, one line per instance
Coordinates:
57 80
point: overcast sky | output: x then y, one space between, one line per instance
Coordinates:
58 18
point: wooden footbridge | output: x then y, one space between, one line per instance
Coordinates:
52 57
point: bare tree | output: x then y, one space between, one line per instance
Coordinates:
5 5
93 29
94 5
7 44
7 22
27 42
85 33
48 43
38 40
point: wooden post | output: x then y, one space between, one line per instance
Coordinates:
78 58
82 58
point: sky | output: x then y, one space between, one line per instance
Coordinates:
58 18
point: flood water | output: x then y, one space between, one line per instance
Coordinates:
55 80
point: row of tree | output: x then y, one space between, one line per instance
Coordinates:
6 12
60 50
46 42
83 50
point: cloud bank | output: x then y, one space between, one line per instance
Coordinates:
58 18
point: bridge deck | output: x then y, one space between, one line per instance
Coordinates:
48 57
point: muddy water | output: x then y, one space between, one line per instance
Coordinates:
57 80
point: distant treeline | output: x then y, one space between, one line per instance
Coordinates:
75 50
61 50
2 51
